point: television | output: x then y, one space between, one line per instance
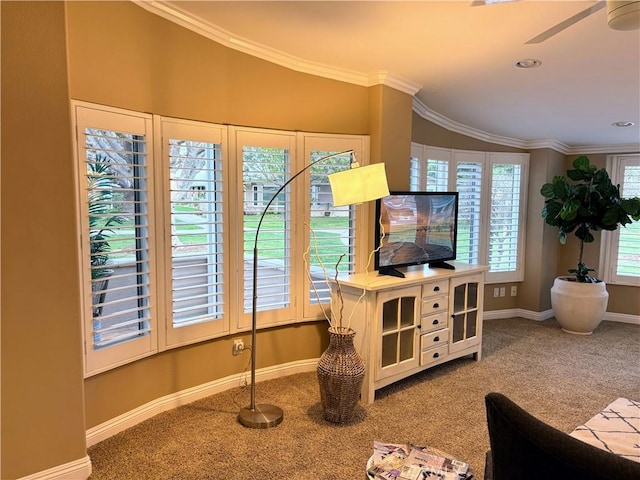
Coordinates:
415 228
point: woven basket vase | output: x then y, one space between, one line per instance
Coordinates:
340 376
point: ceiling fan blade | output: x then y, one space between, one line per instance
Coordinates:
566 24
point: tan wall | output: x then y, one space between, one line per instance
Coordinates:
541 242
153 65
391 132
123 389
42 388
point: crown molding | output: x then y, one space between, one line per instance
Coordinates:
451 125
621 148
421 109
219 35
178 16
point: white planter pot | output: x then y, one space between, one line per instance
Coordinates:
578 307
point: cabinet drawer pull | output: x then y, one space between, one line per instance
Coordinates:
436 322
436 305
436 339
436 289
436 355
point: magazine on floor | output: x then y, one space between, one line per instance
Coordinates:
393 461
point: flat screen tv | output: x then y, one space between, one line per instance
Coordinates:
415 228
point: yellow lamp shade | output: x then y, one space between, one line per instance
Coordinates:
359 185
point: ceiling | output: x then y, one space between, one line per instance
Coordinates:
457 60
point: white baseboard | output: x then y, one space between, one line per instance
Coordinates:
622 318
77 470
133 417
539 316
517 312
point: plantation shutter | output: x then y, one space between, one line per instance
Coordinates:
193 153
429 169
506 216
620 261
332 232
628 261
265 160
469 186
119 230
115 196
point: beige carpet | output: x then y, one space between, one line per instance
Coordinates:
562 379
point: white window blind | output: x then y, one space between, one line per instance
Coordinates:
491 203
264 171
469 187
115 196
429 169
332 233
620 260
196 231
175 242
437 175
118 235
504 217
628 261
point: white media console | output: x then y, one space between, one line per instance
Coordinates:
406 325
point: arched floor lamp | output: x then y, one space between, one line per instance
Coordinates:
348 187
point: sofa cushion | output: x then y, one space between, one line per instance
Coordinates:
615 429
525 448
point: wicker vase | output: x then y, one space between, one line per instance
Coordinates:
340 376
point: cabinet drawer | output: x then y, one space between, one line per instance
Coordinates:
433 339
435 288
433 355
434 304
434 322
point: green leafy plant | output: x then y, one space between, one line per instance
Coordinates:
583 202
100 196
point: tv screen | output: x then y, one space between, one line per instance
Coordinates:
415 228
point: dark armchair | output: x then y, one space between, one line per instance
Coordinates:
525 448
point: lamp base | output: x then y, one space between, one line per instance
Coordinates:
263 416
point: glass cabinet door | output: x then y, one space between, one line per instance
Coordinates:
399 345
465 324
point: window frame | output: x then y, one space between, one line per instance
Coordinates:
118 120
167 128
157 130
420 156
358 213
609 241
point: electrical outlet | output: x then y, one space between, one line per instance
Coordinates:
496 292
502 292
238 346
514 290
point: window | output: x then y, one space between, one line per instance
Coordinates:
491 203
194 180
167 252
115 192
331 240
619 258
264 164
505 215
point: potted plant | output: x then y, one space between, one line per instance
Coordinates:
583 202
100 199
